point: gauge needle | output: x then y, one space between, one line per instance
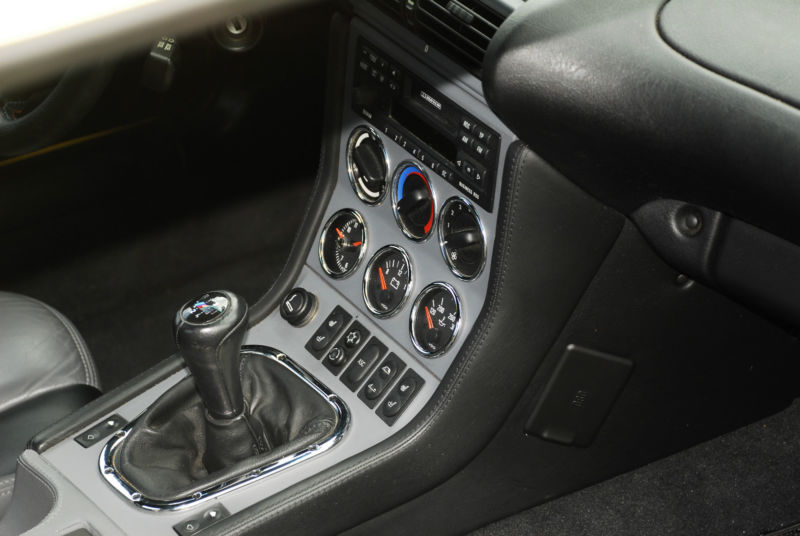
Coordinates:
383 281
356 244
340 233
428 316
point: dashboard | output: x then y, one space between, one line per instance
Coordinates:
489 331
394 280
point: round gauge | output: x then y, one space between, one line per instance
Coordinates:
461 238
367 165
414 206
343 243
435 319
387 281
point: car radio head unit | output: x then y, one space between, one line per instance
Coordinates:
433 129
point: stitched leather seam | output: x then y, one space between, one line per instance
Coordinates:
438 410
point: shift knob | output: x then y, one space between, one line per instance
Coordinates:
209 331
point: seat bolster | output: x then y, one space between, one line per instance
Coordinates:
40 350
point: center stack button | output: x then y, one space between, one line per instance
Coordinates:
328 331
345 348
380 381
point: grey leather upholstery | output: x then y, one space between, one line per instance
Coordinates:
6 487
40 350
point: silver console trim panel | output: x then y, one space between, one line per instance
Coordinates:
127 490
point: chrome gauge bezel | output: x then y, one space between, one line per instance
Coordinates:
367 279
395 178
415 310
350 164
474 212
361 253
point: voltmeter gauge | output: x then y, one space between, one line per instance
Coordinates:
343 243
387 281
461 238
435 319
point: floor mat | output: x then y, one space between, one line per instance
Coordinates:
744 483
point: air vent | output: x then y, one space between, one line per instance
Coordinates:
461 28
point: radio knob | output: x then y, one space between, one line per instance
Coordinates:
366 165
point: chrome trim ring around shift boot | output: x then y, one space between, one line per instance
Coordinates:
128 491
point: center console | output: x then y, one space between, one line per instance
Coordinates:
391 286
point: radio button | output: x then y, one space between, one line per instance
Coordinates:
468 168
481 150
394 135
467 124
447 173
483 136
478 176
465 139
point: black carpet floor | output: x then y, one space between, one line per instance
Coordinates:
743 483
122 297
119 233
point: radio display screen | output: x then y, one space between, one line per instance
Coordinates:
407 113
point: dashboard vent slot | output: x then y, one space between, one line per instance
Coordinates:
460 28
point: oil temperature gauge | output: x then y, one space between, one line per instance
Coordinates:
435 319
343 243
387 281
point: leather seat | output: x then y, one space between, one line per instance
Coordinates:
46 373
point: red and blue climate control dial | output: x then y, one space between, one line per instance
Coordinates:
412 197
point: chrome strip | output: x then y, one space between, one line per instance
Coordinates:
127 490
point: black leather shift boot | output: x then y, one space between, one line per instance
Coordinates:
173 451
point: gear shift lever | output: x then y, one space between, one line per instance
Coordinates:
238 411
209 331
